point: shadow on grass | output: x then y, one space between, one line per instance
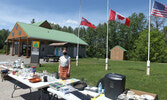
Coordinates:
73 60
109 69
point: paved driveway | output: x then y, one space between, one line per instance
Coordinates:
13 58
6 87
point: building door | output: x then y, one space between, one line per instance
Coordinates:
16 49
24 49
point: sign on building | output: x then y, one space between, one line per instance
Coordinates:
35 52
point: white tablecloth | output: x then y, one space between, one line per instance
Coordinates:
37 85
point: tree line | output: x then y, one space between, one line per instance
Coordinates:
3 36
133 38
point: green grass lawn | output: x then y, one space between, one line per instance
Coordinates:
93 69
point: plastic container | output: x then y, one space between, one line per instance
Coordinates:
114 85
100 88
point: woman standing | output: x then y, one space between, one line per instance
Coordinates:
64 65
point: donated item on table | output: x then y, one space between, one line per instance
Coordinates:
4 74
45 78
90 88
137 95
56 86
33 69
80 85
18 63
22 64
114 85
4 71
67 89
56 75
92 93
102 81
68 81
34 80
80 95
144 94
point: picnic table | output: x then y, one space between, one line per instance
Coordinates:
39 85
71 96
55 58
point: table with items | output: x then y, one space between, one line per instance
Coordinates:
111 87
29 77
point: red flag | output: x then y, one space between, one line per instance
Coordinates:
85 22
114 16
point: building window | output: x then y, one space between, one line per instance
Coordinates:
16 27
19 32
12 33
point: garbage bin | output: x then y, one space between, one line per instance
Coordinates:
114 85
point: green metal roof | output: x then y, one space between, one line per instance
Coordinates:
120 48
38 23
34 31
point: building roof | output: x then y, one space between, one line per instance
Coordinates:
34 31
38 23
120 48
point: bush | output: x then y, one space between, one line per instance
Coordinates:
2 51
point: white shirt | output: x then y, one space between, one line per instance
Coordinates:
64 61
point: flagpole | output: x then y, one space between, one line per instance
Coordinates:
148 61
77 57
107 38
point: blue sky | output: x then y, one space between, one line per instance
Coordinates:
65 12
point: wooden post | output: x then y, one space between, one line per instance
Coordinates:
27 49
45 41
19 47
12 47
7 47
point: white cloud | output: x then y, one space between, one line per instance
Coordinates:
3 24
18 14
11 15
70 21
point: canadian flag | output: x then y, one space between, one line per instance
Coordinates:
114 16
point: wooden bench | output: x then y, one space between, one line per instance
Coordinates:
55 58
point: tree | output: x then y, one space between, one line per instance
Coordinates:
165 32
3 36
70 29
138 23
33 21
56 26
100 42
158 21
65 29
158 49
90 39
